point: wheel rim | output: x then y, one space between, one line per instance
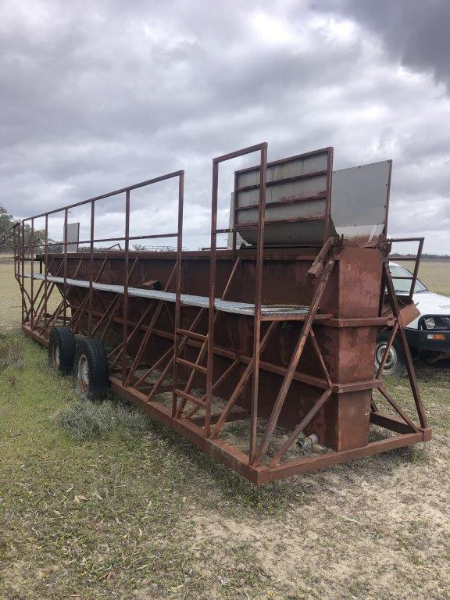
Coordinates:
391 360
83 374
56 356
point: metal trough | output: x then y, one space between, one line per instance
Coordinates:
243 350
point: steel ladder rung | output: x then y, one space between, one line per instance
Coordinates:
189 397
192 334
191 365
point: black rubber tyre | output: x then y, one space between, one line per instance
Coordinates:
61 349
395 363
90 369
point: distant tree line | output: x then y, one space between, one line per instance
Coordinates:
7 222
6 233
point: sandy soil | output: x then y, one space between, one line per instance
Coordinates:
376 529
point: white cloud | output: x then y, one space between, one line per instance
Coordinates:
97 96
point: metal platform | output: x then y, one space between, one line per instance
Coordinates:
242 308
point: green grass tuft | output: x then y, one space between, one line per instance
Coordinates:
85 420
11 353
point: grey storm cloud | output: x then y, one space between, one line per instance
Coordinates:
415 32
97 95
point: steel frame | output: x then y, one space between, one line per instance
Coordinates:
183 416
416 259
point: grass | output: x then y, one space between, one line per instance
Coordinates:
434 274
85 420
97 501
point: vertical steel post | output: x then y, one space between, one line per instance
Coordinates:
295 359
233 221
23 272
91 266
258 301
212 297
406 352
46 269
416 268
326 229
32 274
125 288
66 216
178 288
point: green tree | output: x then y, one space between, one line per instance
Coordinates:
6 235
6 231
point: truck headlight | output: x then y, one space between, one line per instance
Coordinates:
430 323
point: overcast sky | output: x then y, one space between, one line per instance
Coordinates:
101 94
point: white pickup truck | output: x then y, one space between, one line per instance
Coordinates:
428 335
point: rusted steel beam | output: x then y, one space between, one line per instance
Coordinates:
238 415
155 366
317 267
270 367
66 216
242 382
136 327
326 231
238 461
169 365
112 306
42 306
405 347
389 422
296 355
63 305
91 267
416 268
212 297
397 408
77 314
178 290
149 330
258 302
314 463
219 449
320 356
32 274
300 427
125 379
387 350
22 262
109 194
34 334
216 384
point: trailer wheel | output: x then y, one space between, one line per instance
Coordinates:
91 370
61 349
395 363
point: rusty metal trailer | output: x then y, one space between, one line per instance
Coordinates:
247 350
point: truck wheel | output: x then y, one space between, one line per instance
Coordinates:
91 370
61 349
395 363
